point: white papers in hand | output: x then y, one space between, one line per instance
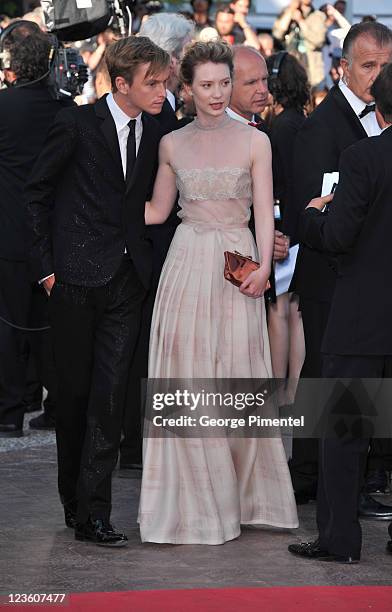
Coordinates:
329 179
284 271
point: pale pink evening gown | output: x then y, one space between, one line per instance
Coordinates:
199 491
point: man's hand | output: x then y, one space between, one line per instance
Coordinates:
331 11
321 202
294 5
281 246
48 283
240 19
297 16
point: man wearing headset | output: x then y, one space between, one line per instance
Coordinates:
27 110
249 99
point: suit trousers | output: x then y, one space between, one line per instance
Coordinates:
95 331
41 371
131 444
343 458
23 304
304 460
305 452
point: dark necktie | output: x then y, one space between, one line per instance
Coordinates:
254 124
370 108
131 149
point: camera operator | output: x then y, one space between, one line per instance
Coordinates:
27 109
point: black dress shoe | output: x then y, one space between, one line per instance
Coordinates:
100 532
347 559
305 496
376 482
130 466
43 421
9 430
70 517
370 508
33 406
309 550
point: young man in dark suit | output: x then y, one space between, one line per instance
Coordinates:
358 339
172 33
27 110
86 202
343 118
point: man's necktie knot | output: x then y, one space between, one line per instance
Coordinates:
369 108
254 124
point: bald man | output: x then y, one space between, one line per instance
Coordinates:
248 99
250 86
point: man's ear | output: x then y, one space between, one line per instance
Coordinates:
122 85
345 65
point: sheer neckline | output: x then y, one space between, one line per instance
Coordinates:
221 122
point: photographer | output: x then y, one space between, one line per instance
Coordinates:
27 110
302 30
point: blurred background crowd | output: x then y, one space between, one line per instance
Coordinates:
312 32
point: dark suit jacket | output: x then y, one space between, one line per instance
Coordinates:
358 230
167 118
81 211
262 126
162 235
26 114
329 130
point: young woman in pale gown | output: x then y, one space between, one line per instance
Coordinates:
199 491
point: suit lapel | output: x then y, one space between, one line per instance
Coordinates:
145 148
348 112
108 129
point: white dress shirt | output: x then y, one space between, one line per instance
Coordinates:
121 121
369 122
238 117
171 99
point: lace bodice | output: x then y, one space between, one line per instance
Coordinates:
214 184
212 167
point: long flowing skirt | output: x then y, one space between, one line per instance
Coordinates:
199 490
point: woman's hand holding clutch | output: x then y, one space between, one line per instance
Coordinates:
256 283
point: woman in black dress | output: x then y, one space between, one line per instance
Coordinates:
289 87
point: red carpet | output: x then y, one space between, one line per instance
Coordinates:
271 599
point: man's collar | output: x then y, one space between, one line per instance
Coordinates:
121 119
170 97
356 103
238 117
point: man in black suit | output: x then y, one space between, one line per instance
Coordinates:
86 201
358 339
27 110
343 118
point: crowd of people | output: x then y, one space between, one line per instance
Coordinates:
193 137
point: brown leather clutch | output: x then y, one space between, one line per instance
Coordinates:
238 267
